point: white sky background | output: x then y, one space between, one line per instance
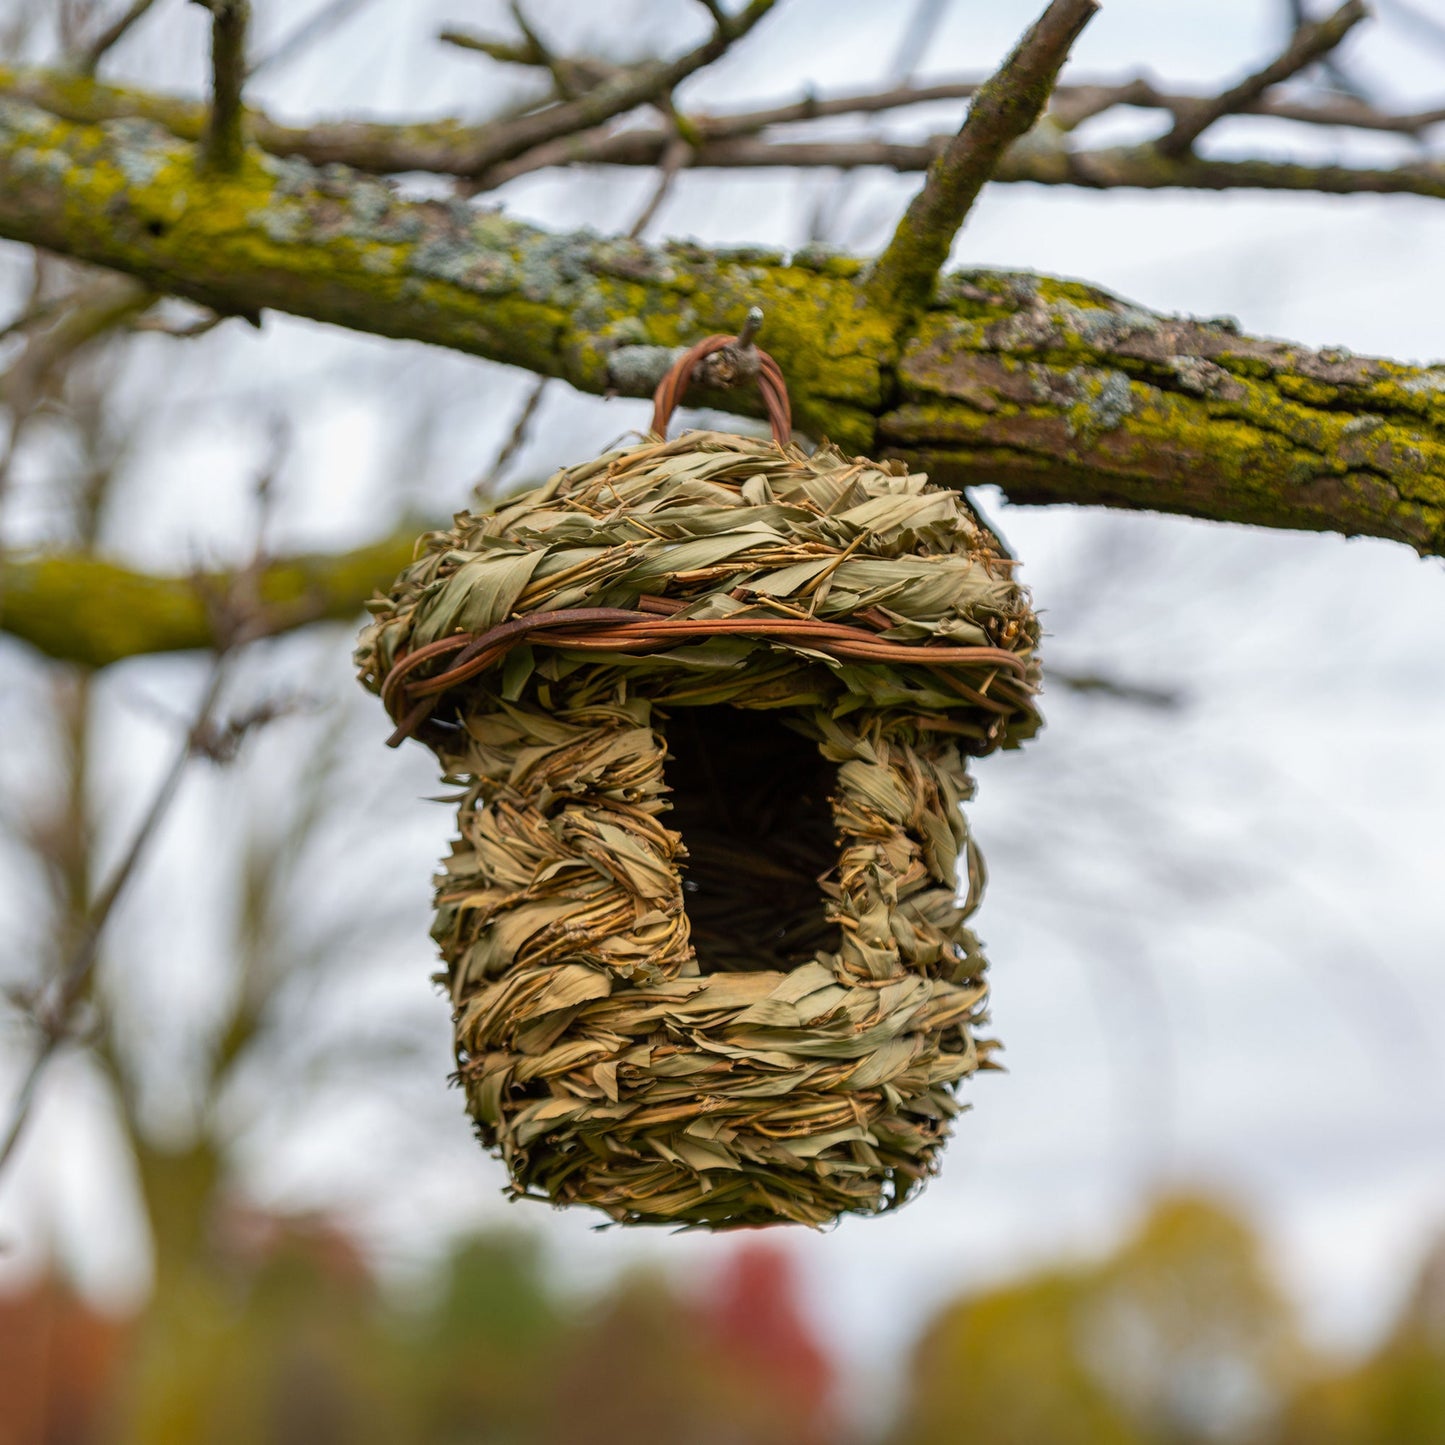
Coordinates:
1215 933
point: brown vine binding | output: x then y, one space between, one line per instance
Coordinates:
1003 689
999 682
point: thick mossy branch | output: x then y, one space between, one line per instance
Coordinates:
1055 391
1058 392
343 248
93 612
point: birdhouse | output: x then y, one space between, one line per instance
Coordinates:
708 704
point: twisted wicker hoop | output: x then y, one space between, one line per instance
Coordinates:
674 385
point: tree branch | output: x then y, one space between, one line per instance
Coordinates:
730 142
571 74
1006 106
1310 43
225 142
1038 161
1069 106
631 87
112 35
1056 392
76 607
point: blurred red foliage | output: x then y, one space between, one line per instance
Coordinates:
755 1319
58 1361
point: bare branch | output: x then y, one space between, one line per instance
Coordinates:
634 86
675 158
1075 104
569 82
629 88
90 58
1115 689
1069 106
572 75
1310 43
55 1012
1006 106
451 148
225 143
506 51
516 440
1115 167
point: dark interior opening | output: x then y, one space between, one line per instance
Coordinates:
750 798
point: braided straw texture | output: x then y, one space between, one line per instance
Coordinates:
761 1013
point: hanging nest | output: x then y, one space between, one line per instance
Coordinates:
708 702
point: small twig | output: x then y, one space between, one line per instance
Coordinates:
572 75
1332 69
719 15
1005 108
1097 684
636 85
674 159
90 58
506 51
1310 43
517 439
539 53
224 146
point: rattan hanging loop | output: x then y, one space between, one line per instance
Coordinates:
675 382
709 701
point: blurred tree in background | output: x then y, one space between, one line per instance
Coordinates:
1179 1338
1395 1396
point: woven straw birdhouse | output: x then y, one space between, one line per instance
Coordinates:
708 702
